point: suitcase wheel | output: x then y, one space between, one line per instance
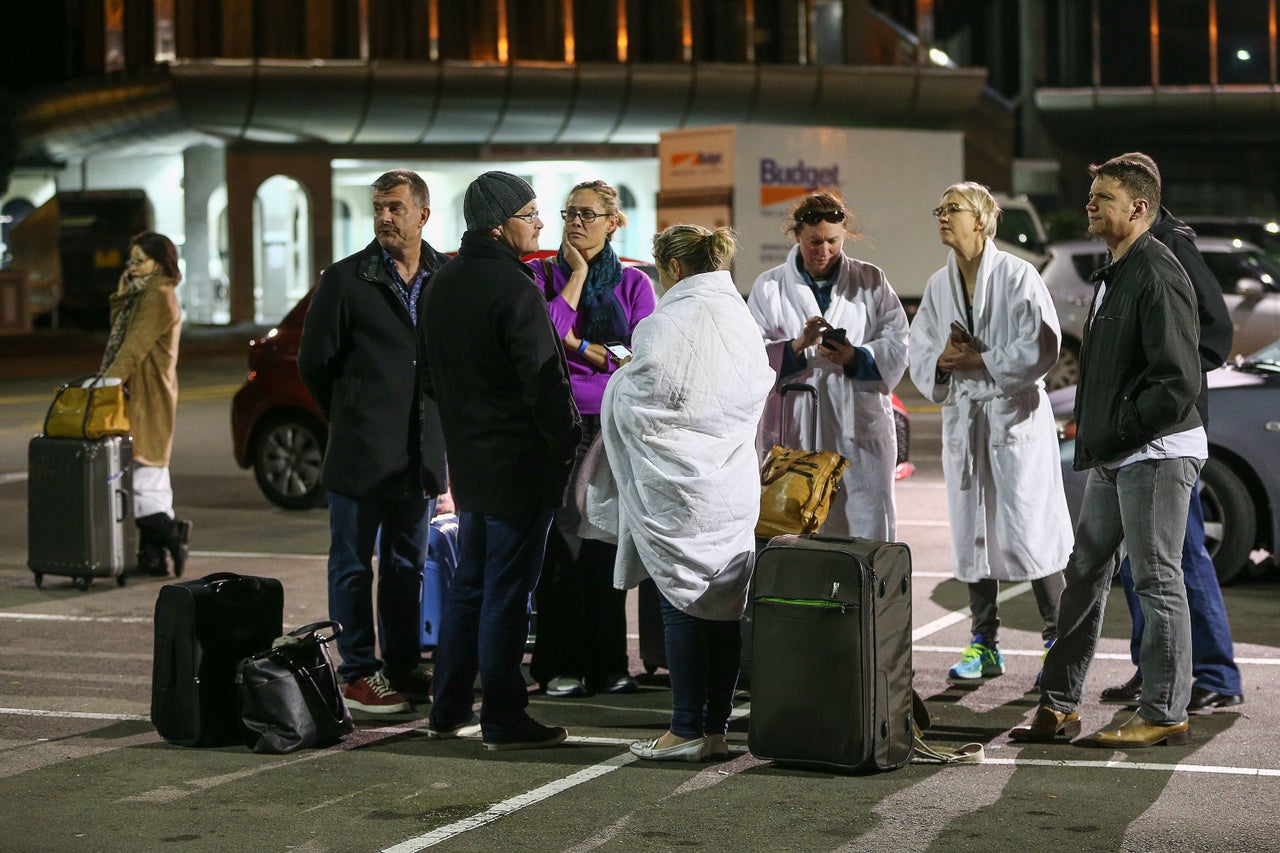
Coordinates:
120 580
84 583
39 580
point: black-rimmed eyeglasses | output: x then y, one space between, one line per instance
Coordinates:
587 216
813 217
527 217
951 210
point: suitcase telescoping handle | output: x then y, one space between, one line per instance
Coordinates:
802 388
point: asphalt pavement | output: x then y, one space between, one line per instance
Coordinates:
82 768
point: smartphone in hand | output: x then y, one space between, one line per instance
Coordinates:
960 333
834 335
618 350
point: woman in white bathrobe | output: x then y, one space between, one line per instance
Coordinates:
679 426
820 288
983 340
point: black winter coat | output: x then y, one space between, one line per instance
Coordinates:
359 359
1216 328
1139 364
495 367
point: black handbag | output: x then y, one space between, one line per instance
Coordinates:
289 695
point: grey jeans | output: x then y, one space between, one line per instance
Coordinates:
1141 505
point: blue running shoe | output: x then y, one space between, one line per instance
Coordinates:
1040 674
978 660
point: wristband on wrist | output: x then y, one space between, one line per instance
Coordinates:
582 347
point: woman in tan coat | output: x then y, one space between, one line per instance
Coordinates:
142 352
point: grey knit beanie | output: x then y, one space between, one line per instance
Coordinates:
493 198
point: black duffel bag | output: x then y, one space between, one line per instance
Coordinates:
289 695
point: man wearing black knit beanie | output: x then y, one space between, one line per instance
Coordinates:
494 366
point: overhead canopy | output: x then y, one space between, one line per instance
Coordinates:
1186 113
354 103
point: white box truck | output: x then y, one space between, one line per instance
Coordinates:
750 176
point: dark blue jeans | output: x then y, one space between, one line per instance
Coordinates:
703 657
499 558
1213 661
402 550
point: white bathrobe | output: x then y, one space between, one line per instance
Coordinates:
1000 458
854 417
679 424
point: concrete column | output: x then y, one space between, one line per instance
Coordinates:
247 167
203 172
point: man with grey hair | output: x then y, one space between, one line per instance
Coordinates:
1142 440
385 461
494 365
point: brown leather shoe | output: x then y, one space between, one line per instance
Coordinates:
1136 732
1124 694
1048 725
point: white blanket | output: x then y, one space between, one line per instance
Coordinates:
679 424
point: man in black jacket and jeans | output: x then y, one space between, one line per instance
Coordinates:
495 368
1140 435
1216 678
385 461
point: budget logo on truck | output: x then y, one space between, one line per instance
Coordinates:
684 163
782 183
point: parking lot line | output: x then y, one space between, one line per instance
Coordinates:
506 807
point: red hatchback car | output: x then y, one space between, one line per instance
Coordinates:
278 431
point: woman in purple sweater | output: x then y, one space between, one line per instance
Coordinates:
593 301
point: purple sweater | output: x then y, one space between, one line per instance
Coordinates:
637 298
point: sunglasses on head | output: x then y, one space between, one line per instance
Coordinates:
813 217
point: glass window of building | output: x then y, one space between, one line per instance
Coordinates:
1124 51
656 30
596 32
1243 51
720 30
469 31
1184 42
537 30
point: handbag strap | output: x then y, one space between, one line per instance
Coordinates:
332 703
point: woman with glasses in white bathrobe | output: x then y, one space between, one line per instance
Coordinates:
819 288
983 340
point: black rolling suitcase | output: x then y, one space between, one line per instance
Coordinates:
80 508
831 680
203 629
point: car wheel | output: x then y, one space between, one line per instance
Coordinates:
1067 369
287 457
1230 520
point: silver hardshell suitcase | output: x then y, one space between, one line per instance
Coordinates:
80 508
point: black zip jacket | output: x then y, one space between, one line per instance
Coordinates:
1139 363
359 359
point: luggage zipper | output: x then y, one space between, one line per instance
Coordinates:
804 602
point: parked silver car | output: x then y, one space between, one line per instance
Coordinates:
1240 483
1250 280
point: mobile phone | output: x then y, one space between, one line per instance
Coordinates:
618 350
835 335
958 329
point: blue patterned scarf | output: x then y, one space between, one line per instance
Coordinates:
601 317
